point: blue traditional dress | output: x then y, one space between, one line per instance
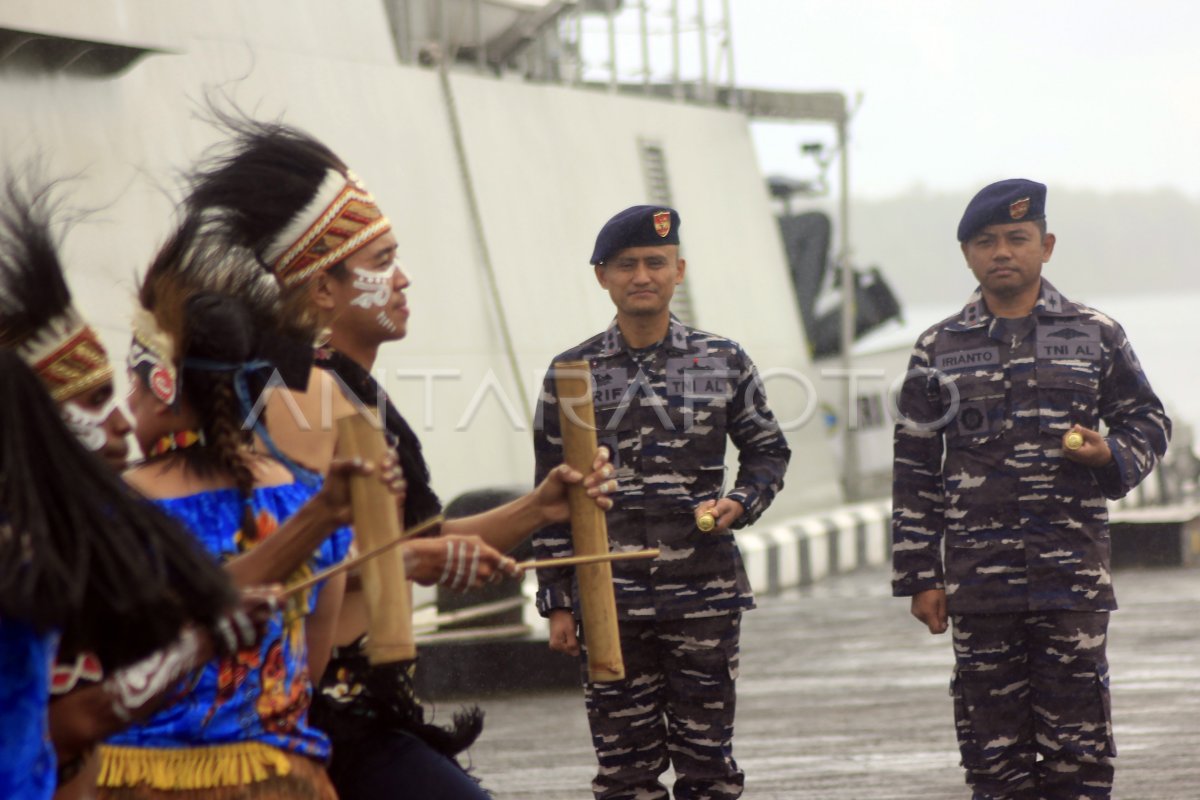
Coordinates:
26 755
246 715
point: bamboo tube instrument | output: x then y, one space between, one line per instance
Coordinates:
589 532
390 635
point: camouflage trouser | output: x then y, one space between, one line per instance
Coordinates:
1031 704
676 702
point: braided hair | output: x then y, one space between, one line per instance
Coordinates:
219 328
214 305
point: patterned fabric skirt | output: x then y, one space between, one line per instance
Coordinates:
249 771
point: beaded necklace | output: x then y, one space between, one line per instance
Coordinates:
176 440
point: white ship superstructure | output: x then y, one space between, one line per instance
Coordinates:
494 157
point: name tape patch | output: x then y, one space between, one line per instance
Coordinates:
609 385
707 376
977 358
1069 340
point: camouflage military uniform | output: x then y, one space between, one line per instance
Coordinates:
1017 535
665 413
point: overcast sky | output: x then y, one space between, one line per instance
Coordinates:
1095 94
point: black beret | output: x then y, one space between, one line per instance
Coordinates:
637 226
1013 200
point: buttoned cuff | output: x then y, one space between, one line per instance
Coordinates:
1117 477
910 585
552 597
749 499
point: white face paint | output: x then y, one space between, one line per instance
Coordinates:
374 288
138 684
385 322
88 426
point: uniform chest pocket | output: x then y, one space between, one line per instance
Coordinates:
699 390
975 406
1067 395
617 430
700 378
697 432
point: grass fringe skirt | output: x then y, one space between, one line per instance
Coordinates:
242 771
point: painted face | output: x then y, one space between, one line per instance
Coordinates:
642 280
96 419
371 299
374 287
1007 259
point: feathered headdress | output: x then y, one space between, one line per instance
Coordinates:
288 198
206 310
191 262
37 319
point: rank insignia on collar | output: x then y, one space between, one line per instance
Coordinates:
1017 209
662 223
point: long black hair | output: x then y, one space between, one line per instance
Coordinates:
80 551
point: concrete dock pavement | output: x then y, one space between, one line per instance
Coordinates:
843 696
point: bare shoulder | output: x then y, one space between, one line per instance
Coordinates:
268 471
304 424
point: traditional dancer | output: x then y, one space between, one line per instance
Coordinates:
85 560
195 360
114 577
315 227
39 320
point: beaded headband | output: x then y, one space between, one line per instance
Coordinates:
341 219
68 356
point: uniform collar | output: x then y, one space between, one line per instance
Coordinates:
1050 303
614 343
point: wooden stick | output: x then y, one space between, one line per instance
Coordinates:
589 531
469 613
474 634
570 561
351 563
377 523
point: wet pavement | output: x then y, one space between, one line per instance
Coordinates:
843 696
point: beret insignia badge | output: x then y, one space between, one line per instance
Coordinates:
662 223
1018 208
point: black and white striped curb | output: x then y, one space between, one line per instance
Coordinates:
803 550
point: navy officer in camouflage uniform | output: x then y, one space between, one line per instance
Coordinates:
999 513
666 398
